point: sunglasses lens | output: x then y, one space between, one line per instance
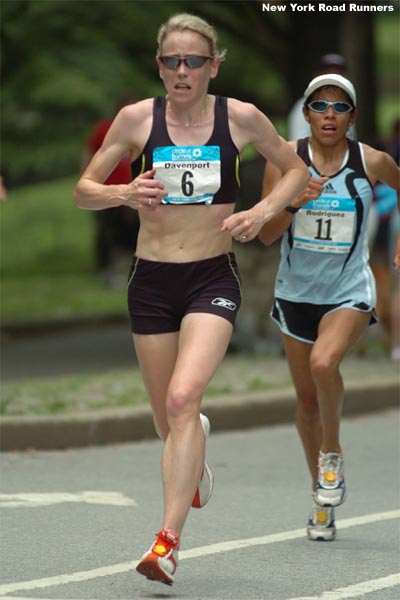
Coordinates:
195 62
342 107
322 105
192 62
170 62
319 105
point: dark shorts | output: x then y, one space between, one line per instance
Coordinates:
301 320
160 294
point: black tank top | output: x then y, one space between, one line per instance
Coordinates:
221 137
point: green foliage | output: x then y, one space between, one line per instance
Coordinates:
68 63
47 250
43 232
388 60
64 69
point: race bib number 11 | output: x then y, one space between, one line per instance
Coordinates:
325 225
190 174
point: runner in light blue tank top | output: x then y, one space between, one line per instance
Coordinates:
324 291
325 250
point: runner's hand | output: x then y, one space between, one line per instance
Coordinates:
144 192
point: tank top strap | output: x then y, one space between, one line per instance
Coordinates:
302 150
159 126
221 127
355 161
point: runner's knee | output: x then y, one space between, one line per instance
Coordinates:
323 365
182 403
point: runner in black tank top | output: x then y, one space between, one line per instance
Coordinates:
221 137
184 285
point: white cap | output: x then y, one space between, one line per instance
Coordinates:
331 79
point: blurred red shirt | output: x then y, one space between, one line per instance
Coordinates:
122 172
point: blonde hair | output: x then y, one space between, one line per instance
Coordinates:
184 22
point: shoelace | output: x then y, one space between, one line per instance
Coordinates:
166 539
330 463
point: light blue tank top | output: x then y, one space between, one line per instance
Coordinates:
324 253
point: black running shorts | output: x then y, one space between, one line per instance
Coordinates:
301 320
160 294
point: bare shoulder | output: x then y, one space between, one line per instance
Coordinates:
248 124
380 166
371 154
131 127
132 114
243 113
373 158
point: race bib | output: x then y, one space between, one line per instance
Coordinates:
325 225
190 174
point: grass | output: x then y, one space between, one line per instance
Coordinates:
72 394
242 374
60 296
47 256
111 389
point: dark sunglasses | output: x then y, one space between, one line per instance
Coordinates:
192 62
321 106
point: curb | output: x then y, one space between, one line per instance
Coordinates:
134 424
62 325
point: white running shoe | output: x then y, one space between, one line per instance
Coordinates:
160 562
331 487
321 524
206 483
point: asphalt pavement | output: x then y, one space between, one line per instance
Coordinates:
93 348
75 523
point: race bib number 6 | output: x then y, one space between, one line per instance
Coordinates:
325 225
190 174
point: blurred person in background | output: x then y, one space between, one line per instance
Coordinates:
3 190
383 233
117 228
184 286
394 246
324 290
393 148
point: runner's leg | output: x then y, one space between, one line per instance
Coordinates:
338 332
203 341
157 356
307 412
176 369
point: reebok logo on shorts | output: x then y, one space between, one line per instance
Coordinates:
224 303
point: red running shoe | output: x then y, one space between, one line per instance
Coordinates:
160 562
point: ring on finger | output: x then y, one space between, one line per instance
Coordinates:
149 201
243 237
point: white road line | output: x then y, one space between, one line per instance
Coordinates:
211 549
356 590
46 582
351 591
32 500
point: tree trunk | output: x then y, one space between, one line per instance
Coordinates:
357 45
